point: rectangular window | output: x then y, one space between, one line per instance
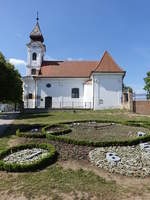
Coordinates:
33 71
75 93
30 95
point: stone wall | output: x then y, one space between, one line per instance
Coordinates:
127 100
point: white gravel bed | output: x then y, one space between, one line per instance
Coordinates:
134 161
26 156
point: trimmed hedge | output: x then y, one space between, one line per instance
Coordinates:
36 165
58 135
24 132
106 143
64 129
99 144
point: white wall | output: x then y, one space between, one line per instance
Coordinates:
88 95
60 91
29 87
107 90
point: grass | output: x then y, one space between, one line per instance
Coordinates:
4 143
65 116
55 182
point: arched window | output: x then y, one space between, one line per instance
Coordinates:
33 71
30 96
34 55
75 93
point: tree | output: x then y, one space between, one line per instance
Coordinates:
147 84
10 82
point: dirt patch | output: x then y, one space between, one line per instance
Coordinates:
16 141
132 188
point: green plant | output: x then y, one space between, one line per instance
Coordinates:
64 129
25 132
39 164
106 143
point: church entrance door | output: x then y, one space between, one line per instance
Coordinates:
48 102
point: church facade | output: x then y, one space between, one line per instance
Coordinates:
70 84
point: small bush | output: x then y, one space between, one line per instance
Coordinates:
99 144
24 132
64 129
39 164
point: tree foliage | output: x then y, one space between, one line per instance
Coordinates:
147 84
10 82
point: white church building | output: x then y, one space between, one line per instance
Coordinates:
70 84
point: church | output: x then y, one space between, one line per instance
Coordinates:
70 84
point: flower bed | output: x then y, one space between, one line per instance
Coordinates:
126 142
48 156
31 131
56 129
133 161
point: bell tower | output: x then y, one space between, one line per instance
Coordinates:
36 50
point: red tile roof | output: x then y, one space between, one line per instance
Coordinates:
107 64
77 69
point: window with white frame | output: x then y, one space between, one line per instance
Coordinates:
75 93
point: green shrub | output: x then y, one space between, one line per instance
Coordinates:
58 135
64 129
128 142
39 164
99 144
24 132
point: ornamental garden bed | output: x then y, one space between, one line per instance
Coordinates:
131 160
103 133
28 157
94 131
57 129
31 131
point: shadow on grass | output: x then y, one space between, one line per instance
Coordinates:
33 115
11 129
9 116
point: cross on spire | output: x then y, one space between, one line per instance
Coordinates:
37 18
36 34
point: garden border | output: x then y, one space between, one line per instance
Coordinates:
23 132
36 165
106 143
58 135
65 129
20 133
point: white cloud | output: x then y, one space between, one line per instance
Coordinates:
72 59
69 59
17 62
47 57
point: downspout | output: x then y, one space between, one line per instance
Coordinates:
35 93
93 92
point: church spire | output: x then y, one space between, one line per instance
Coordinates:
37 18
36 34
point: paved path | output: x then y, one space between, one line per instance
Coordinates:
6 120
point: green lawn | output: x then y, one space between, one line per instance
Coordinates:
56 182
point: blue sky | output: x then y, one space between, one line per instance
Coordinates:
81 30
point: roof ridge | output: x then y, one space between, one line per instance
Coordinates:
100 61
102 64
